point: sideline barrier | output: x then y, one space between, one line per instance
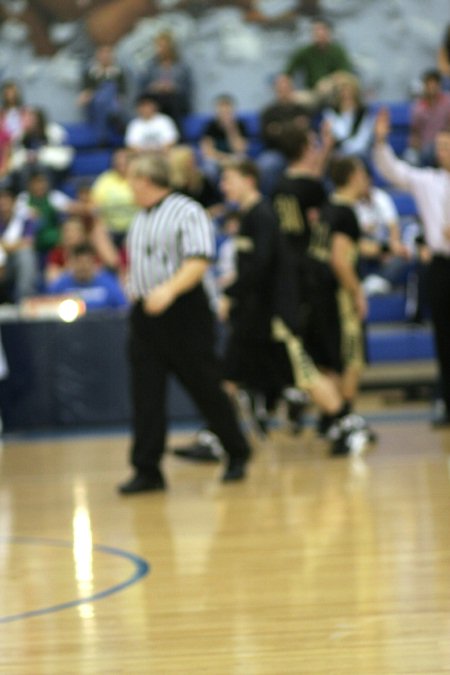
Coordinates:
68 375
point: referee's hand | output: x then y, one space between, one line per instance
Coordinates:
159 299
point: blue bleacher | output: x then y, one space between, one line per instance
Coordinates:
81 135
193 125
399 344
387 308
89 163
405 203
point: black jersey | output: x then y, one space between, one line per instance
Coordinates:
335 218
257 263
297 200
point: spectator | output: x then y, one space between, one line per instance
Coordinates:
282 110
43 146
168 79
443 59
18 259
318 60
150 129
73 233
99 289
187 177
351 124
112 197
224 138
430 115
13 114
5 158
385 260
103 93
50 206
97 232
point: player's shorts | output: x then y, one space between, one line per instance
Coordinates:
321 331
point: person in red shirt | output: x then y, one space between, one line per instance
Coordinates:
430 115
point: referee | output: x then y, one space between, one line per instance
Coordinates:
170 246
430 188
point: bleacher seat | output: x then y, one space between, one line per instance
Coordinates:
81 135
90 163
387 308
400 112
193 125
405 203
400 344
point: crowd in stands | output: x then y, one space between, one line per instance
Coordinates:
49 230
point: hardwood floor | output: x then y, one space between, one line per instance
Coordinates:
313 565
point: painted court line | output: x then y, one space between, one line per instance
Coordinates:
141 569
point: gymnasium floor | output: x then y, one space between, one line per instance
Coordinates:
313 565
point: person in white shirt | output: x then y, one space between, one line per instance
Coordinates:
350 121
18 260
150 130
383 255
42 147
431 189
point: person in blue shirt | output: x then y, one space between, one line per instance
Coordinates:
98 288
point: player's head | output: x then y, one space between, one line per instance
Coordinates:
240 179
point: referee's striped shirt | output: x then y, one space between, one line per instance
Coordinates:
162 237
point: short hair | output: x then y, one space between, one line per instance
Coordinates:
225 98
293 141
36 175
324 21
152 166
146 98
342 168
432 74
168 37
245 167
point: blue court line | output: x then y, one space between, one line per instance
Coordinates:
142 568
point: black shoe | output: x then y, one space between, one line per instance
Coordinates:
197 453
295 415
324 424
236 470
296 404
441 422
207 448
372 435
143 482
350 435
352 443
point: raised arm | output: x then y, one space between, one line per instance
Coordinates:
392 168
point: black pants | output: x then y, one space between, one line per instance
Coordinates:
439 297
180 341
